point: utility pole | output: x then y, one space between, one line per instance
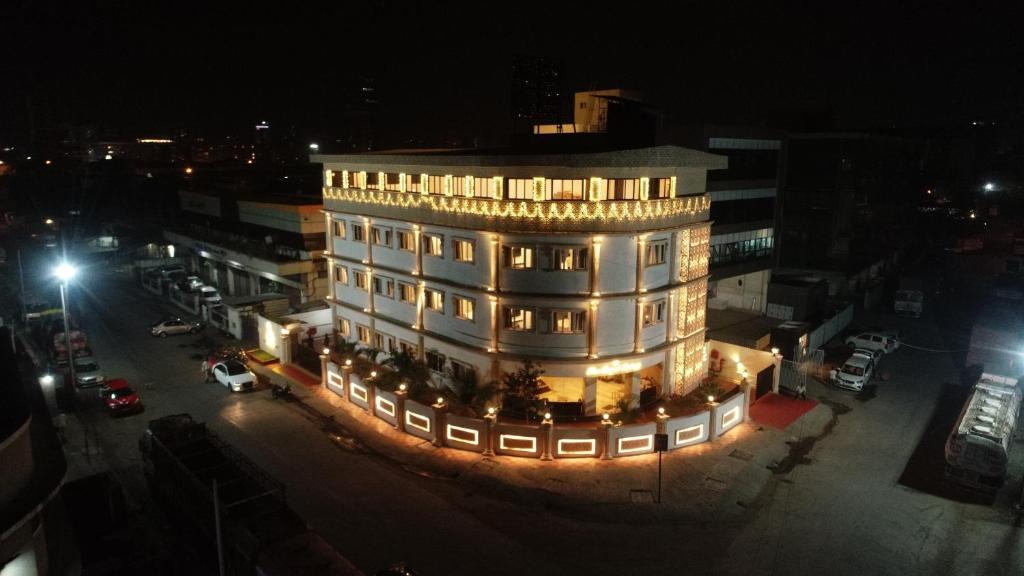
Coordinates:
21 280
216 524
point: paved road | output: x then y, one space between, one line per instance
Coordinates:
843 513
846 512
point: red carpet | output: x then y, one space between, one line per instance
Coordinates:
779 411
296 374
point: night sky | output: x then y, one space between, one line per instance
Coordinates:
443 72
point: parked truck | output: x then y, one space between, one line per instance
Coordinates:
978 448
58 341
260 534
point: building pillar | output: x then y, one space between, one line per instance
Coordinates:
777 372
606 425
490 419
590 395
323 367
713 409
371 394
547 427
635 385
400 395
745 389
662 421
346 381
286 346
439 422
254 284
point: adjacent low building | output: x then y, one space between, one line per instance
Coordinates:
252 246
593 264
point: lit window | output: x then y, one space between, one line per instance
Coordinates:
435 184
339 228
520 189
518 257
568 322
358 233
481 187
341 274
344 327
407 293
564 189
433 245
654 313
412 183
464 307
463 250
392 182
656 253
384 286
407 347
435 300
569 258
363 334
661 188
372 180
520 319
459 185
622 189
360 280
382 236
405 240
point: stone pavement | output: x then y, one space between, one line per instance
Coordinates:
715 479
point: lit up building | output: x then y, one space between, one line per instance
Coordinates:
593 264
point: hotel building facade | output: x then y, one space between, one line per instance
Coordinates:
594 265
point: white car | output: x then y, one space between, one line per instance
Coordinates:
234 375
874 341
87 372
855 373
209 295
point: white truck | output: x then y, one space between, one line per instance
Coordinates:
978 448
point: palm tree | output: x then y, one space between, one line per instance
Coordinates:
628 413
405 367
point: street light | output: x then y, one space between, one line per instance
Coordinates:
65 273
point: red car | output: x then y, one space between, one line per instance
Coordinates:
119 396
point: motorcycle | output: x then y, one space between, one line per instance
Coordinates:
278 391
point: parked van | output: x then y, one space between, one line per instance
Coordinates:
856 372
978 448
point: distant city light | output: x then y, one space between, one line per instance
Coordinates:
989 186
188 170
262 125
65 271
155 141
929 190
28 157
48 162
46 379
108 157
49 221
314 146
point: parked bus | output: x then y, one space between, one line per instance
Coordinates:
978 448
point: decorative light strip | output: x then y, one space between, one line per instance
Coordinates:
334 379
467 431
613 210
689 435
418 421
531 439
358 392
386 406
648 444
730 417
612 368
577 447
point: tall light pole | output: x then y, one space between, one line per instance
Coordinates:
65 272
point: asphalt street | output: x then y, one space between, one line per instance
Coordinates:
842 511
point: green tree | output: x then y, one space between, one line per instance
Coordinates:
471 393
522 387
404 367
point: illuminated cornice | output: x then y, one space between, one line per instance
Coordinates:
520 215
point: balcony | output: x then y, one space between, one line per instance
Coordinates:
521 215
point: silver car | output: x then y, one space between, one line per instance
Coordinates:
172 326
87 372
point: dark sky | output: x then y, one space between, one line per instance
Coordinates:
443 69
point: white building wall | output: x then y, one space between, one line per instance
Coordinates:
618 264
616 320
743 292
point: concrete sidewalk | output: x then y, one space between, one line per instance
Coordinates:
716 479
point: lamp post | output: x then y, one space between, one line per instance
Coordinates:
65 272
